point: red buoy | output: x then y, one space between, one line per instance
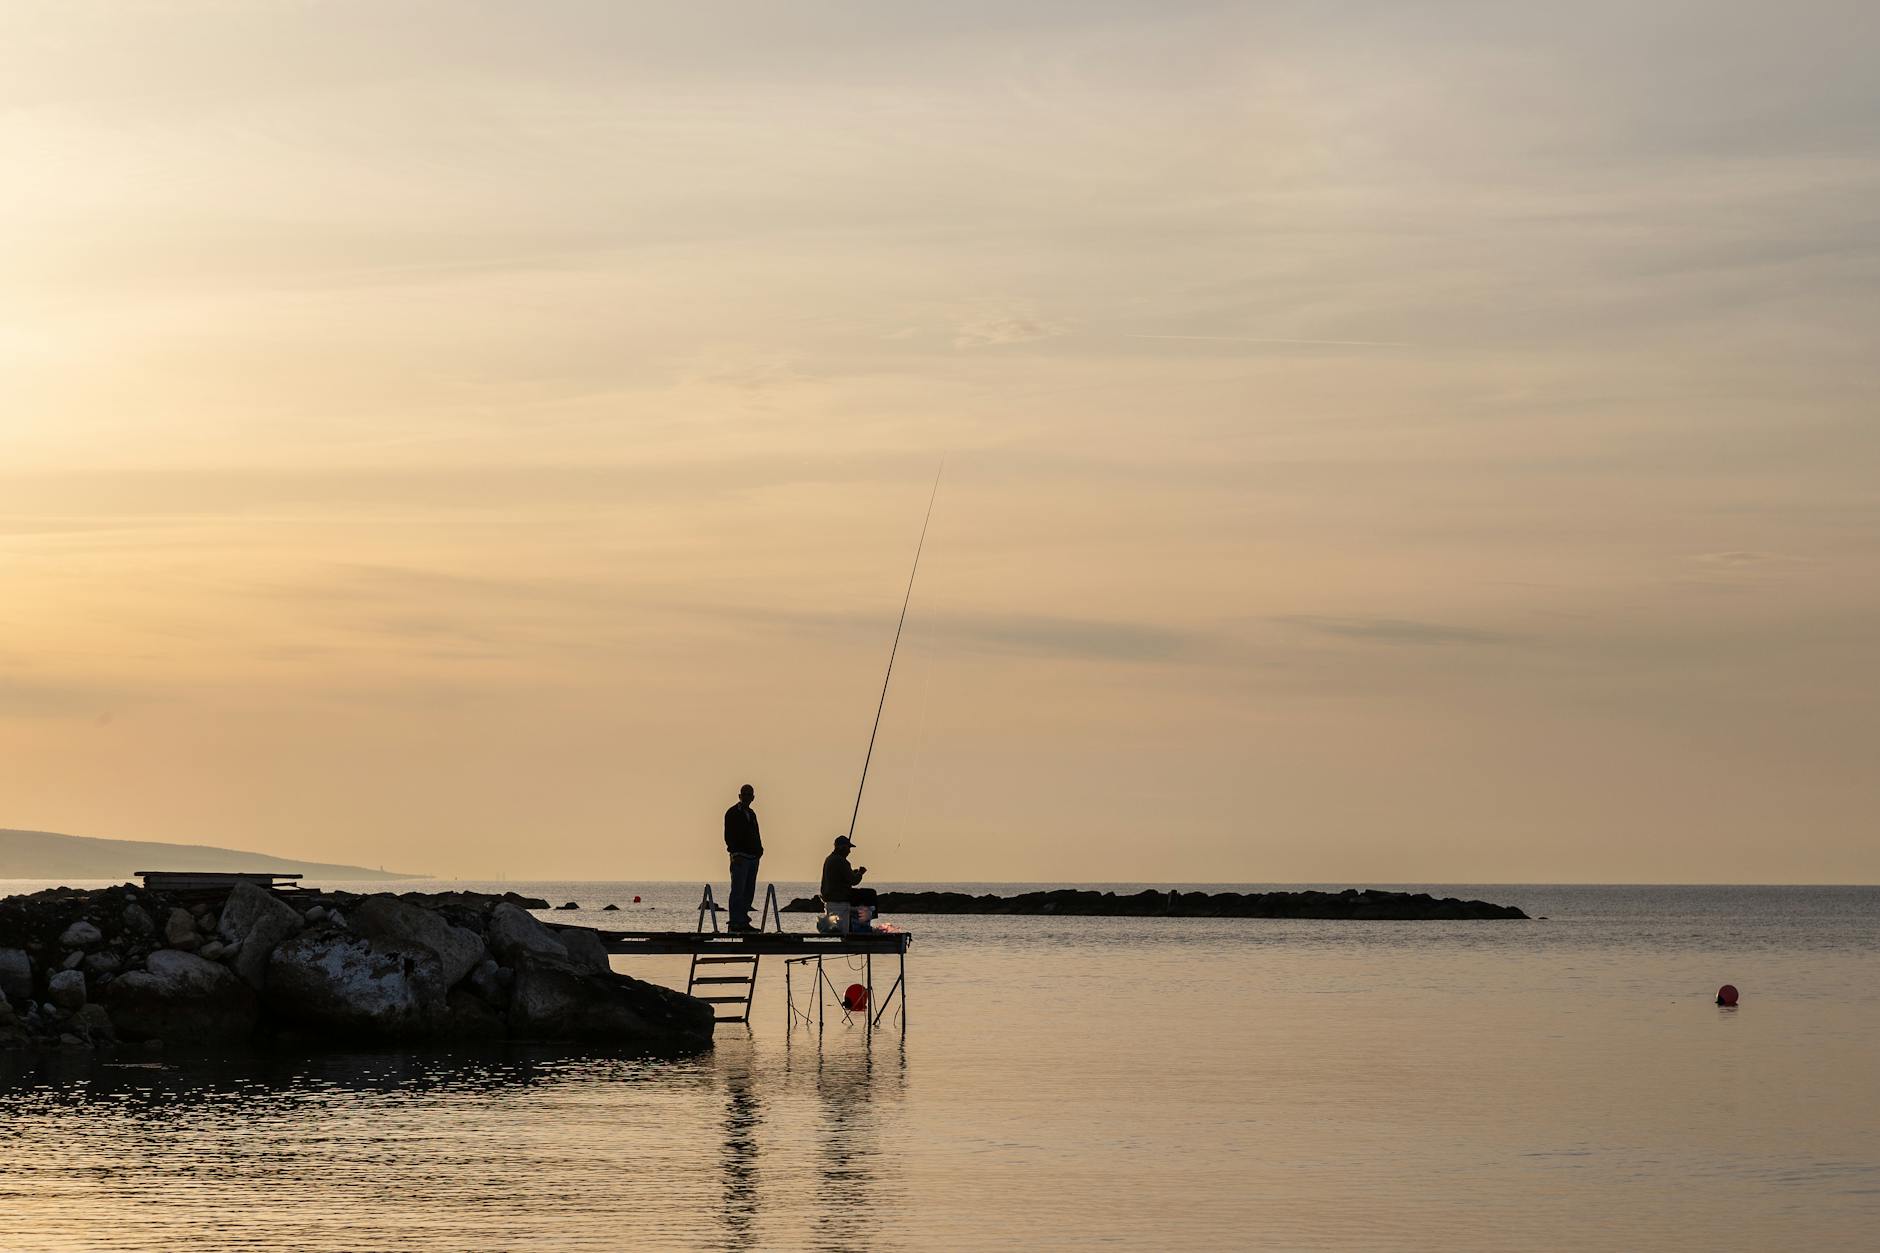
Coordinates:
1726 995
636 900
856 998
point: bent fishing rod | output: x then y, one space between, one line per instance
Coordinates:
887 678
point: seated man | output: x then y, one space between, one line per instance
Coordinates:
839 892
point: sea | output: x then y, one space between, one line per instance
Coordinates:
1565 1083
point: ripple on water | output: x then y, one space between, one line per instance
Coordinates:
1147 1083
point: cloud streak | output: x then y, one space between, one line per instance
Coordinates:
1255 339
1403 631
1041 636
1066 639
996 324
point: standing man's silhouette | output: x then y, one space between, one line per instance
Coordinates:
746 847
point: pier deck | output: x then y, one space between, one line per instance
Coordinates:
754 943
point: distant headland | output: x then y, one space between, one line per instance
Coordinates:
1350 904
50 855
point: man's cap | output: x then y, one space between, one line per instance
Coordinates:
843 841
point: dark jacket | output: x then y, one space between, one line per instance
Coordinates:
741 835
837 877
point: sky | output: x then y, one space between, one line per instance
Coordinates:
1382 443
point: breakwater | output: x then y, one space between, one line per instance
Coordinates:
228 969
1351 904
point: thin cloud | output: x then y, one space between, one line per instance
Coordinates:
1394 630
1255 339
1741 559
20 698
994 324
1031 635
1084 639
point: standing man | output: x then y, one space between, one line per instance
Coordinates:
746 847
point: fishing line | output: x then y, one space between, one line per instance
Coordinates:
916 793
905 601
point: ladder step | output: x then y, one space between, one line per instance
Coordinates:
719 961
725 1000
743 981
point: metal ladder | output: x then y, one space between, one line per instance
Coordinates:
745 974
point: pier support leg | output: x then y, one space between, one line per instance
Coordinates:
887 1002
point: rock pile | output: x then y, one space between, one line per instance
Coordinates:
1349 905
128 965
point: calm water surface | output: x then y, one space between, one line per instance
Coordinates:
1137 1083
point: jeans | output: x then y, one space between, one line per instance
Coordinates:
846 909
743 888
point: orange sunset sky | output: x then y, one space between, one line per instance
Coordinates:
1384 443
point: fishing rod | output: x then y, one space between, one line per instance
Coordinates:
883 703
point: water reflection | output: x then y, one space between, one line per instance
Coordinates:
744 1115
126 1080
851 1087
427 1147
802 1156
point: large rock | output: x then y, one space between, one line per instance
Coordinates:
258 920
16 975
181 999
11 1032
585 948
409 966
66 989
491 982
385 917
515 933
80 934
336 984
179 930
556 999
94 1022
469 1017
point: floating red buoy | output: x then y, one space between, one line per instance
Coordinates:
636 900
856 998
1726 995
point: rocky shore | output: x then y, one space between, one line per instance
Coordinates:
139 968
1350 904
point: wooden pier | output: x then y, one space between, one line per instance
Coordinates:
190 882
725 963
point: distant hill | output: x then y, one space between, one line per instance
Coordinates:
49 855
